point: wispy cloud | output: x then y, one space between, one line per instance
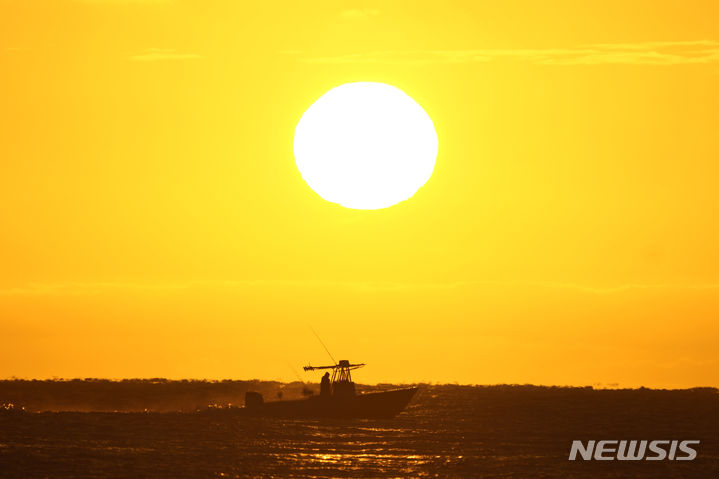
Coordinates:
360 13
125 2
645 53
90 288
159 54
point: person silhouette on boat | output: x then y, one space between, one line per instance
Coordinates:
325 385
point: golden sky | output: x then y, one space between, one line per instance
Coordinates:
153 222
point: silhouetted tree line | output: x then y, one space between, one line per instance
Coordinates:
155 394
164 395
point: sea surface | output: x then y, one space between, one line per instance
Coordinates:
447 431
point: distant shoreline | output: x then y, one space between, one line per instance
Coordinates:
165 395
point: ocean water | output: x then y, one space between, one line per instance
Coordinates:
447 431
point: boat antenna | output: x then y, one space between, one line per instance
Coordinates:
323 344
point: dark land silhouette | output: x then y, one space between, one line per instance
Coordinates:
154 395
166 430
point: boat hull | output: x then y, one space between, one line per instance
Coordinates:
384 404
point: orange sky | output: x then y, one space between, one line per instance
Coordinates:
154 222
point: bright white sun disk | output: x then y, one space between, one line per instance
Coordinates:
365 146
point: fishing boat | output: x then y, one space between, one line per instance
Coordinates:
337 399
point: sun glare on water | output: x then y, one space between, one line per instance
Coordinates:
365 146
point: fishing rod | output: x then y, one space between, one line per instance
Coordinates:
322 343
299 378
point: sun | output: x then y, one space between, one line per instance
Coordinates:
365 146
